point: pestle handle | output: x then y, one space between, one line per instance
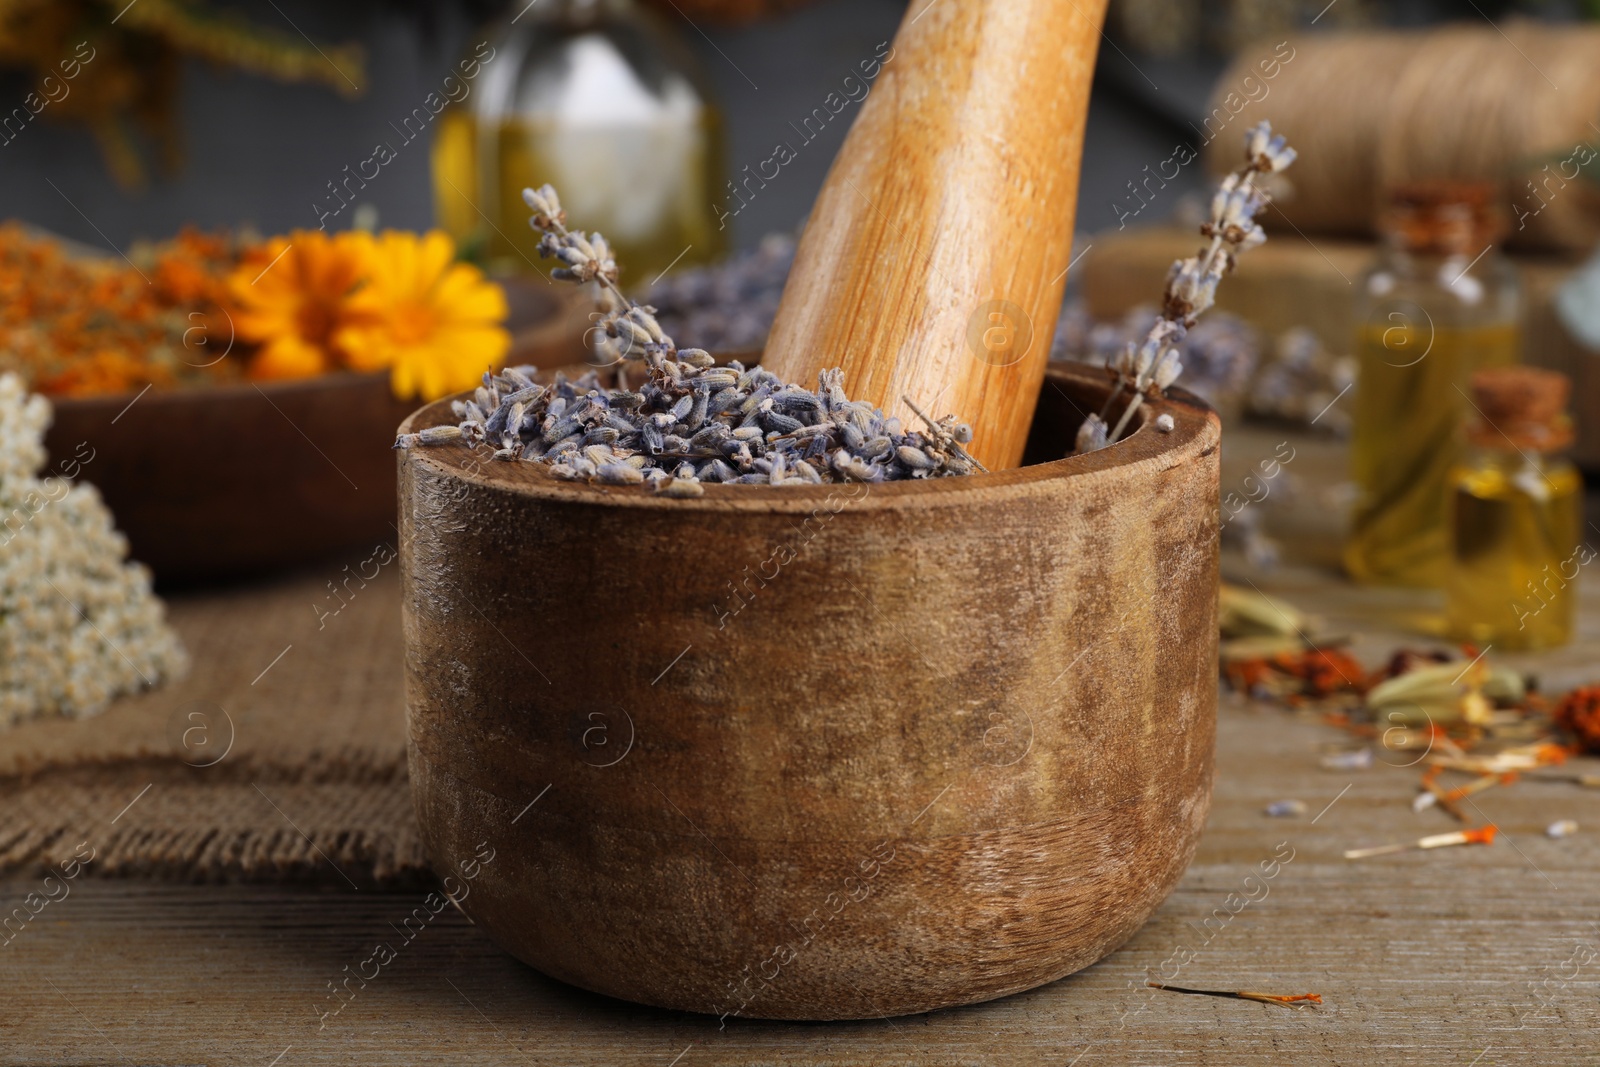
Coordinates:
935 257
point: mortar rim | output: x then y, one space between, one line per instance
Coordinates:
1197 431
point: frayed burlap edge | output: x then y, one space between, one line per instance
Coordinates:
141 819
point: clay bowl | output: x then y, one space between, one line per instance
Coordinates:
225 480
825 753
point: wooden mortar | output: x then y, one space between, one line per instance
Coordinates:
817 753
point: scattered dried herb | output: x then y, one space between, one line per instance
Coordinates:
78 325
1297 676
1438 712
1579 712
1481 835
1447 798
1260 998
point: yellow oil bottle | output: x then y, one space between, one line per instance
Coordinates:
601 100
1439 304
1516 516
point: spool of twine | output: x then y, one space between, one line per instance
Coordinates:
1372 111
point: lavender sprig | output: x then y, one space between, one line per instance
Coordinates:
691 421
1149 367
631 329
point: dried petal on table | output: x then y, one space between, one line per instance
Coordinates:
1481 835
1358 760
1311 673
1579 712
1244 994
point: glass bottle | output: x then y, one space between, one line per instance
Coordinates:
1516 516
602 100
1439 303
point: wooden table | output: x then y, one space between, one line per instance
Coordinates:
1481 955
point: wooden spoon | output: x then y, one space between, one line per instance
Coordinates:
933 264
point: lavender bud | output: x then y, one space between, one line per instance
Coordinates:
619 474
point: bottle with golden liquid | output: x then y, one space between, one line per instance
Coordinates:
1516 519
1439 303
602 100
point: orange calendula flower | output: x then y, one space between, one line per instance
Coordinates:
295 299
435 323
103 372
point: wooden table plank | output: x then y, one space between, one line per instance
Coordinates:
1422 958
1466 956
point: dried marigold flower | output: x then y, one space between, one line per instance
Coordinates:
1579 712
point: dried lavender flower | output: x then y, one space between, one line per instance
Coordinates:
1092 434
690 421
728 307
1220 353
1148 368
1268 151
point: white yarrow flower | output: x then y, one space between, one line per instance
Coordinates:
78 625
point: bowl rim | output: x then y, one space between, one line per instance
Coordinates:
1197 432
273 388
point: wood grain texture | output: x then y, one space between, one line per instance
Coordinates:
985 702
1423 959
1437 958
934 260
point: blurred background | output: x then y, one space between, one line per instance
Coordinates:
219 146
163 157
242 240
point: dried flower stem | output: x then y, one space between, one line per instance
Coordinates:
1588 781
1242 994
588 259
1482 835
1433 793
1148 368
948 433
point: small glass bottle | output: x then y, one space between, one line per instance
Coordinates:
1439 303
602 100
1516 516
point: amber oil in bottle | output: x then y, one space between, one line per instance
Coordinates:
1516 516
603 100
1439 303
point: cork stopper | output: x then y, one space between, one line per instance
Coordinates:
1444 217
1524 407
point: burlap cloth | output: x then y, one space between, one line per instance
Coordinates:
312 786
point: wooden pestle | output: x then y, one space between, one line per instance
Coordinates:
934 260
